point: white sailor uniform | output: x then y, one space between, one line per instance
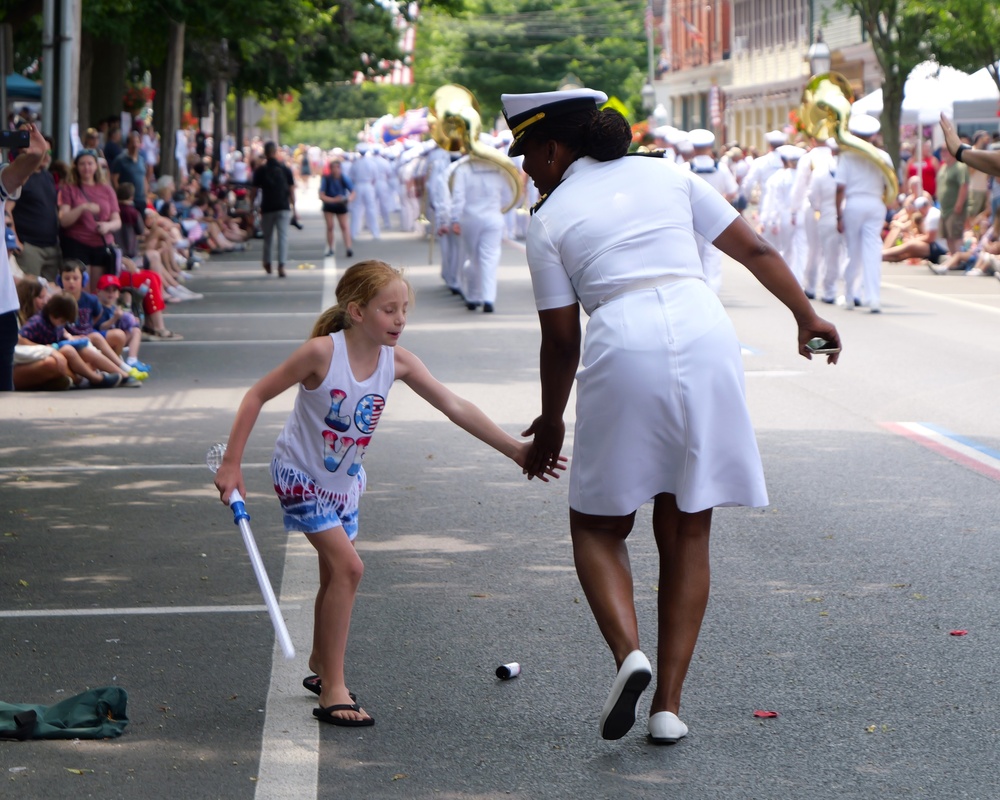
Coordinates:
479 193
660 393
719 177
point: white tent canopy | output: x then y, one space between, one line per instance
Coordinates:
929 89
981 100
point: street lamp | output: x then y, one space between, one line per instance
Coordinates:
648 97
819 55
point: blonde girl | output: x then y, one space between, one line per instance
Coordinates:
344 372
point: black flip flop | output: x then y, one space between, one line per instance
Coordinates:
314 684
326 715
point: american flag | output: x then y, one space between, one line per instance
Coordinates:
695 33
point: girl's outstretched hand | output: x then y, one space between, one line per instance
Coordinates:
229 477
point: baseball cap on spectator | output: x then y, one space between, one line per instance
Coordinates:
108 280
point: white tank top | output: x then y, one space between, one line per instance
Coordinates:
330 428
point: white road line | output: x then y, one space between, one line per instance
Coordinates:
138 611
946 298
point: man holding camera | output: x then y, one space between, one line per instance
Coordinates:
12 177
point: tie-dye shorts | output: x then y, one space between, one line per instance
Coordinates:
310 509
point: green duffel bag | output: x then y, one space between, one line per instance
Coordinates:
94 714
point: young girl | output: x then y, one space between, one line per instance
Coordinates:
344 370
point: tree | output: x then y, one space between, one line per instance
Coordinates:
898 31
965 34
502 46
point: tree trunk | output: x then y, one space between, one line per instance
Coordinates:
86 78
218 120
172 94
107 82
892 106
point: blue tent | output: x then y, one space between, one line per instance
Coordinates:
21 88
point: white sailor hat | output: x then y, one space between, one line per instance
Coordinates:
522 111
789 152
505 136
863 125
701 137
663 132
363 147
775 138
684 146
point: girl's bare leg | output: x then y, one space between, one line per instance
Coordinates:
340 574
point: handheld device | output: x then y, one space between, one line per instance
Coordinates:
10 139
821 347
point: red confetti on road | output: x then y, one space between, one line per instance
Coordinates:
765 714
959 633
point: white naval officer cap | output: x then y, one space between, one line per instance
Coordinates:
701 137
522 111
363 147
684 146
863 125
775 138
789 152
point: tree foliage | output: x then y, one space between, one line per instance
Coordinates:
897 30
965 34
500 46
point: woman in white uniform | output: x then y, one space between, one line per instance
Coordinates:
661 413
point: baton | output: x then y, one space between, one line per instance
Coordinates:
242 519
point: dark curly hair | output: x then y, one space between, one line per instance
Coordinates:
602 135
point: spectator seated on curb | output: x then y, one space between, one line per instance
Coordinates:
37 367
210 212
89 309
922 241
47 327
140 247
118 318
982 257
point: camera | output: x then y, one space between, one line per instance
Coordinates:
12 139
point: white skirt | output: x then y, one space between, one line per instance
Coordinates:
661 406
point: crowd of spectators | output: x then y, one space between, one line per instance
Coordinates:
947 218
99 248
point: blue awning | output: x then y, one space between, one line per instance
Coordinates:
21 88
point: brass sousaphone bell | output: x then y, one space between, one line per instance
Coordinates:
455 124
824 113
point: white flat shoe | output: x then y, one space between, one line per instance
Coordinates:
618 715
665 728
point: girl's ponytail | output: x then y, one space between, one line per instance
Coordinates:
330 321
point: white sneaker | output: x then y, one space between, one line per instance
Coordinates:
975 272
937 269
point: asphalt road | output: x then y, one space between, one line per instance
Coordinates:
833 606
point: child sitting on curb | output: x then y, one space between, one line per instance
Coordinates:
115 317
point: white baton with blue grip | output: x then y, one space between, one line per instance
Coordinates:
242 519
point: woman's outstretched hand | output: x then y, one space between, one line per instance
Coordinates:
543 453
817 328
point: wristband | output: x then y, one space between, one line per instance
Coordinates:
959 157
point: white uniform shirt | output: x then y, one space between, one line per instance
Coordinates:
650 211
859 176
932 222
478 189
716 174
760 170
